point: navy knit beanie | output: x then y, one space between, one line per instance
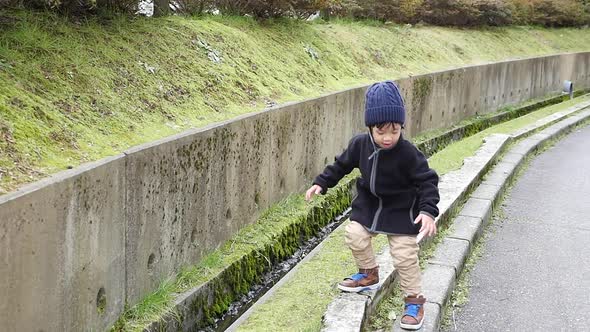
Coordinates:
384 104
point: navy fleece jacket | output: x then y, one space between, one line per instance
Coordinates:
396 185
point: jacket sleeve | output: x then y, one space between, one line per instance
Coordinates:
343 164
426 180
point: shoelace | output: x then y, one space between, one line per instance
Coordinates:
412 309
358 276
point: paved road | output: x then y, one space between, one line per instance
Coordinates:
534 274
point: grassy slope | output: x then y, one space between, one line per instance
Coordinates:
72 92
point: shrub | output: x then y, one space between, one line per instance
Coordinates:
466 12
358 9
122 6
341 8
558 13
193 7
10 3
382 10
494 12
551 12
523 11
270 8
79 7
448 12
305 8
408 11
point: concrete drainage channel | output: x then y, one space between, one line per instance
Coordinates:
350 312
275 277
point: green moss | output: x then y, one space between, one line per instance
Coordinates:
420 90
101 301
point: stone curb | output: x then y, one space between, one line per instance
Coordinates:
454 187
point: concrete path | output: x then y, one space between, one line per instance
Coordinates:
534 274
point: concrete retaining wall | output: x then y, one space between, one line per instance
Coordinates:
75 247
62 251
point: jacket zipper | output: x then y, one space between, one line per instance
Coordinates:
372 186
412 212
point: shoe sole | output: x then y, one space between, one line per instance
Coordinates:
412 327
357 289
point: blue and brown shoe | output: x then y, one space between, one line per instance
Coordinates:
366 279
413 313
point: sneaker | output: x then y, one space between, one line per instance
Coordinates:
413 313
366 279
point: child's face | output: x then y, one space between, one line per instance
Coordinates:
387 136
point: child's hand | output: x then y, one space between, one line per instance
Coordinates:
314 190
428 226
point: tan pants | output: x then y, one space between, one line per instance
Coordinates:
403 249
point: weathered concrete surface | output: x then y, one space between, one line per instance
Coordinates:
346 304
191 193
466 228
62 240
305 137
515 158
480 89
565 124
438 282
344 315
451 252
502 172
432 315
525 146
533 274
487 192
478 208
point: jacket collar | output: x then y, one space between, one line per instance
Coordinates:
377 149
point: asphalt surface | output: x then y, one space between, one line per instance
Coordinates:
534 274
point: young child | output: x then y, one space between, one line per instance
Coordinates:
397 196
